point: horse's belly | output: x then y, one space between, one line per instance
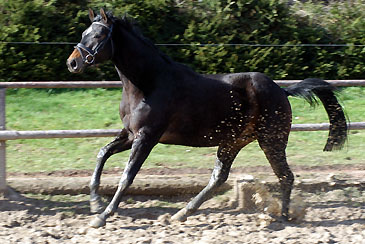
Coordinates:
187 139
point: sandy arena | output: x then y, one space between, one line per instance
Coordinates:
332 216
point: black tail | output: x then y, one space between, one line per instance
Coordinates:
307 89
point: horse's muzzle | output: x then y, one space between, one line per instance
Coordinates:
75 65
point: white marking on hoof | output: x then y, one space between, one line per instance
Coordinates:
180 216
97 222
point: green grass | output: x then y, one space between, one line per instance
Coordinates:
32 109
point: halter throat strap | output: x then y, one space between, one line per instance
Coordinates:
91 53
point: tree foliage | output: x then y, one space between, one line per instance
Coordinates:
257 22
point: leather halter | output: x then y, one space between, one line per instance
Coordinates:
91 53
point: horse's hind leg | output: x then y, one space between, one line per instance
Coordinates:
225 157
119 144
275 153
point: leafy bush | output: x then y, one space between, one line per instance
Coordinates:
40 21
252 22
208 21
343 22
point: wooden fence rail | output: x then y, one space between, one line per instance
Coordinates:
48 134
116 84
15 135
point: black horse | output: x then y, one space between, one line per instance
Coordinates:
167 102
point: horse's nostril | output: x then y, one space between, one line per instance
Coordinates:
73 64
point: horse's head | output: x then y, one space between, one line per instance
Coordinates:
96 45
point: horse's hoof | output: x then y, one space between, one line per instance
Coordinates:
97 222
282 219
180 216
96 207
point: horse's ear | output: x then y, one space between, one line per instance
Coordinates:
103 15
91 15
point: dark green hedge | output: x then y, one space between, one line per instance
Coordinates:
207 21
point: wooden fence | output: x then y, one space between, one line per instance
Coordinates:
15 135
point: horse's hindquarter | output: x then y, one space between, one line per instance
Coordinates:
274 108
209 111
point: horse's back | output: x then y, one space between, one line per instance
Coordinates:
258 80
256 86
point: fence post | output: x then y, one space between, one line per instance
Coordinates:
3 187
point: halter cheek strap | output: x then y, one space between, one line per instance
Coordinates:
91 53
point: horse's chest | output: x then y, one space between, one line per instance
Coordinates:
128 111
138 114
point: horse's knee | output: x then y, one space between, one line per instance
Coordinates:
102 152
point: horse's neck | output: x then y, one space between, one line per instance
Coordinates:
136 61
128 86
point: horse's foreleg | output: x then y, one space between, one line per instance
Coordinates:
120 143
141 148
225 157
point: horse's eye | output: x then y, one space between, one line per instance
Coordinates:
97 36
